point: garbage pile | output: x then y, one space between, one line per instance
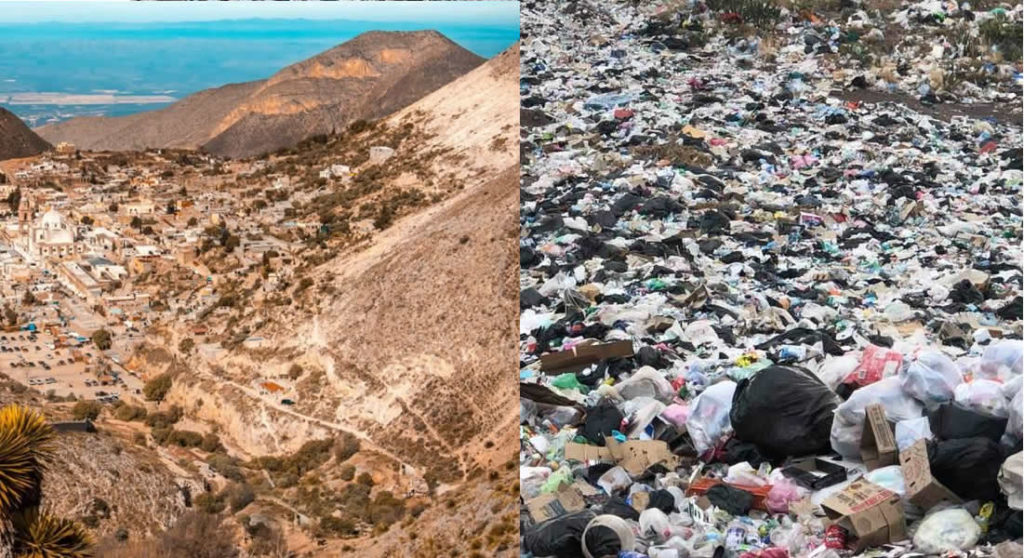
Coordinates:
757 320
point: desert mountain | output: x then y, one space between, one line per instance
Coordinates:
368 77
16 139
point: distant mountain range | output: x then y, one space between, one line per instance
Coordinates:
16 139
368 77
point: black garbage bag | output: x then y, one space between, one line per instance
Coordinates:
951 421
600 422
602 541
785 411
663 500
559 536
732 500
967 466
619 507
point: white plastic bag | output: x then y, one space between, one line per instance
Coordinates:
931 378
1002 360
982 396
910 431
709 416
848 424
948 530
889 478
1015 426
646 382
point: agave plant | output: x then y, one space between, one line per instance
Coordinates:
41 535
26 442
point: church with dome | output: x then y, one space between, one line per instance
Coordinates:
49 236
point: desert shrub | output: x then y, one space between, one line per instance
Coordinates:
345 446
365 479
336 526
225 465
209 503
347 472
386 509
198 535
86 410
211 443
239 496
157 388
295 371
130 412
164 419
185 438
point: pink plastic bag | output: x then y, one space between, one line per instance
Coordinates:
782 493
876 363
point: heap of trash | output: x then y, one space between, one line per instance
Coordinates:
758 319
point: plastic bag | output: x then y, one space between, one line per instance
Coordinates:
709 416
1010 475
948 530
1002 360
967 466
646 382
982 396
614 480
910 431
560 536
1015 424
848 424
784 491
785 411
876 363
889 478
931 378
834 369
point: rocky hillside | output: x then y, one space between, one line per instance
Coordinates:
368 77
16 139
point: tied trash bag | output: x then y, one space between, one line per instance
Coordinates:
1001 360
931 378
560 536
948 530
951 421
785 411
709 416
967 466
1015 422
848 424
982 396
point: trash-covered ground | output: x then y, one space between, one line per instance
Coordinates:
765 310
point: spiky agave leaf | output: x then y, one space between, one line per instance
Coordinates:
25 442
41 535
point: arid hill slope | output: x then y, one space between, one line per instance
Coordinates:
16 139
368 77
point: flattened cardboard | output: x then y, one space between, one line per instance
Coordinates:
871 514
877 443
582 356
922 489
585 453
635 456
547 506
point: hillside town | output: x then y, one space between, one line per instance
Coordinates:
96 247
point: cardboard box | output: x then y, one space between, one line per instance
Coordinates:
922 489
877 443
872 515
546 506
581 356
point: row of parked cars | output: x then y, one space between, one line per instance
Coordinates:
41 381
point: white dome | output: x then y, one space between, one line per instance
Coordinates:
52 220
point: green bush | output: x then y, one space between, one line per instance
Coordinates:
211 443
347 472
345 446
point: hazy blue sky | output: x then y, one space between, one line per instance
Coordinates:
485 13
